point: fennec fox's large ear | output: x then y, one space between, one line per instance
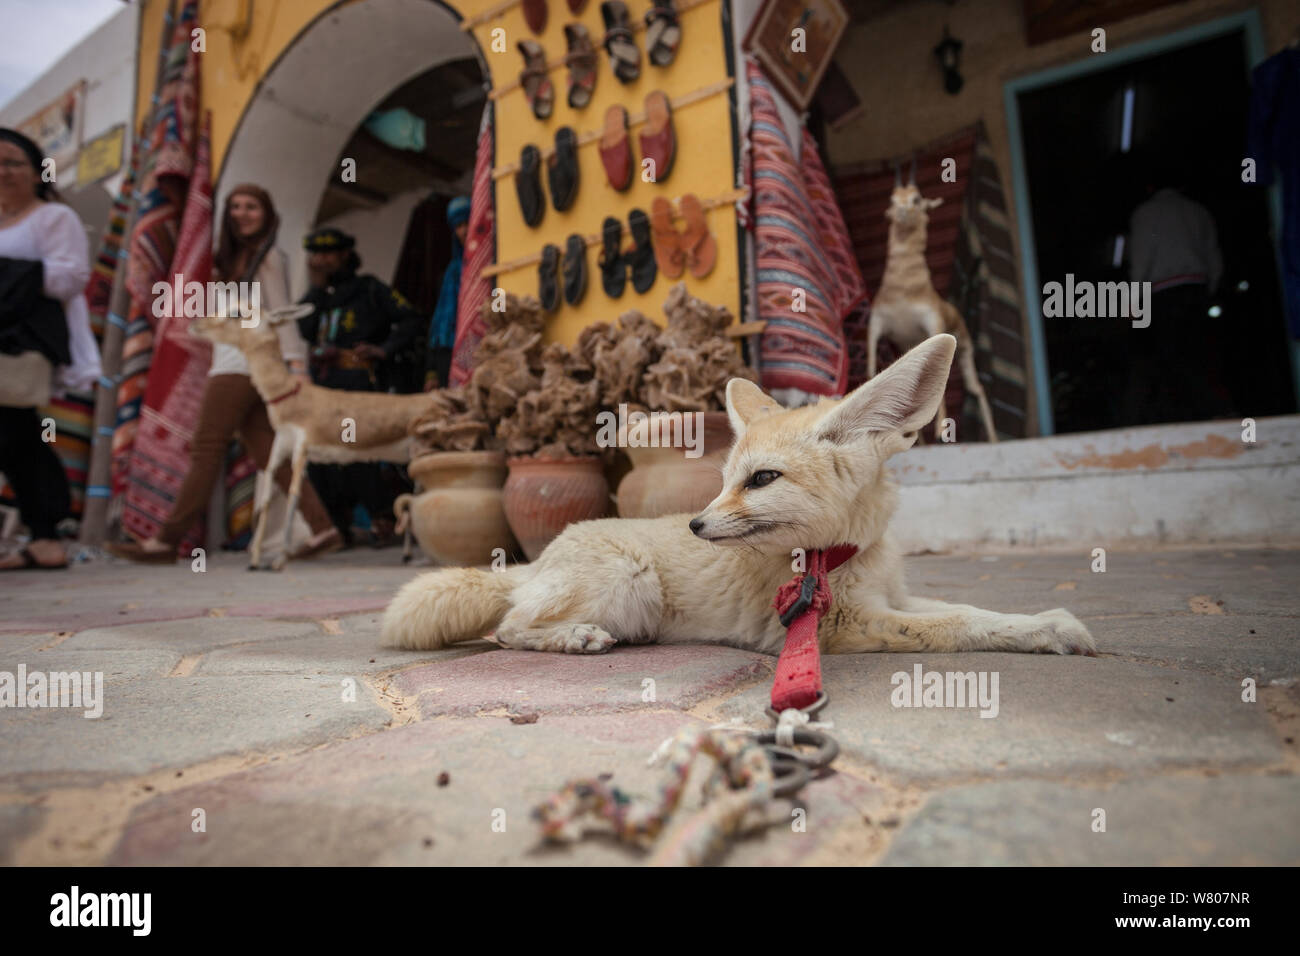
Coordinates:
746 402
902 398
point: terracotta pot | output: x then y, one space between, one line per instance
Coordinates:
458 517
663 481
543 496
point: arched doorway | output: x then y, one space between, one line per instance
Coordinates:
348 62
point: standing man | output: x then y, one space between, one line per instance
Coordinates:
358 328
442 329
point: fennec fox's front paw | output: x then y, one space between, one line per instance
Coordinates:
566 638
1063 633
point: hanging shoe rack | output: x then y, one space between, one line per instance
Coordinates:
633 120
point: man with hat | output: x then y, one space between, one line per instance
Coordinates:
442 328
358 329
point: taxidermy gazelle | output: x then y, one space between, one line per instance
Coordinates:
907 309
323 425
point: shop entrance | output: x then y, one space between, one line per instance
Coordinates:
1093 146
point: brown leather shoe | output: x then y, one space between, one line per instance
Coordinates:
698 245
535 15
616 149
667 240
536 79
581 60
658 142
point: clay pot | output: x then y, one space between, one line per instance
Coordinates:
545 495
663 481
458 518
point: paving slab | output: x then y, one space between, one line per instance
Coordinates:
625 678
191 635
1054 715
354 651
1169 821
148 724
17 820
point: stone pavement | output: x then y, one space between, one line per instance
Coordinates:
253 719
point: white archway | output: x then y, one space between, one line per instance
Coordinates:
320 89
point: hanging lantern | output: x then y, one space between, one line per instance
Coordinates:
948 53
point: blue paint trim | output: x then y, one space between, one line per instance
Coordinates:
1247 21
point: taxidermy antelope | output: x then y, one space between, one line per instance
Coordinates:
323 425
906 308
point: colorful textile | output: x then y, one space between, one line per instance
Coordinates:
480 252
971 260
166 165
808 281
177 375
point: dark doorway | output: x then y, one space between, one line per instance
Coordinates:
1188 115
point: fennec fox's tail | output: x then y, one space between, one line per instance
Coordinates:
447 606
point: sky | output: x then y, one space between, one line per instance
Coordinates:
38 32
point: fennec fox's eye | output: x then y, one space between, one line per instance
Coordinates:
760 478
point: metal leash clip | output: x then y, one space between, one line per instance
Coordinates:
793 768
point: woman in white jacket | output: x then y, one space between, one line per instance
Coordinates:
246 250
34 225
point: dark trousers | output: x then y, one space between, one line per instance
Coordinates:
1175 374
343 487
34 471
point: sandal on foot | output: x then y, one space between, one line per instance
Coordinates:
698 244
667 240
663 33
616 149
624 55
575 269
528 185
613 264
658 141
642 257
135 551
331 542
536 79
581 60
562 169
548 277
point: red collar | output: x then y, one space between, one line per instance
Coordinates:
801 602
297 387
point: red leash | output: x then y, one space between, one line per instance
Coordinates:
801 602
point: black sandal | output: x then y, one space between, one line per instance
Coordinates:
575 269
613 264
642 257
663 33
562 169
548 278
528 185
624 55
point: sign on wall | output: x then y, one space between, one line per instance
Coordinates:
56 129
101 157
794 41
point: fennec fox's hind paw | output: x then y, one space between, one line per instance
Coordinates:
1064 634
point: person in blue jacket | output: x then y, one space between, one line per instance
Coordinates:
442 329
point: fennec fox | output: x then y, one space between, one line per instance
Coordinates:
808 477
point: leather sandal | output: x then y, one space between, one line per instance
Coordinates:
624 54
562 169
667 240
528 185
575 269
613 264
642 257
535 15
548 277
616 149
581 60
577 6
658 142
135 551
698 244
536 79
663 33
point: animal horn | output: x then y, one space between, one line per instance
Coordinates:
911 177
898 176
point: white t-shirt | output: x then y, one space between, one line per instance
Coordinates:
53 233
273 292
